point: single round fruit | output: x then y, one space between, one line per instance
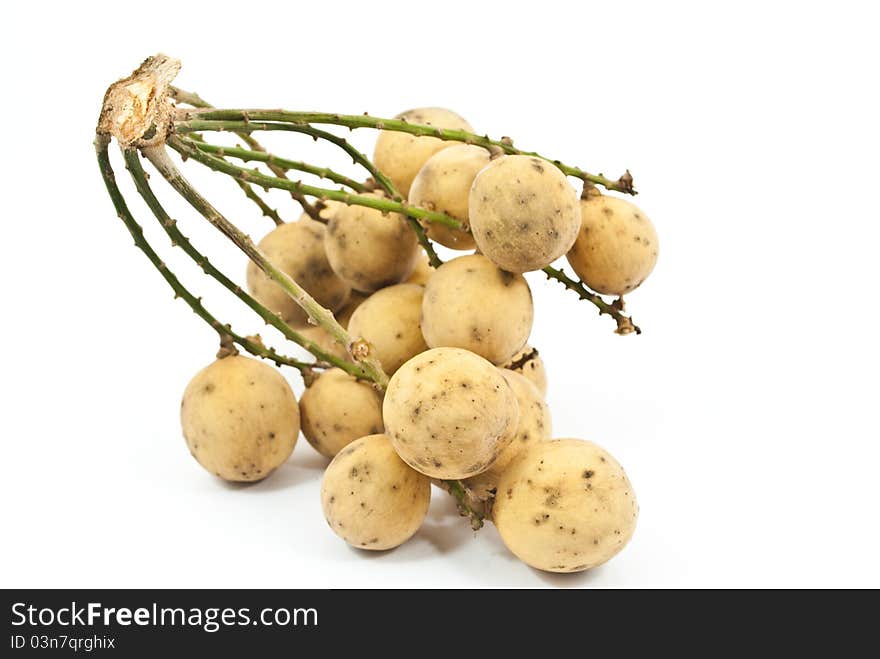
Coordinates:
370 498
400 156
297 248
443 184
565 505
523 213
528 362
240 418
473 304
368 249
616 248
337 409
390 321
324 339
421 272
534 425
449 413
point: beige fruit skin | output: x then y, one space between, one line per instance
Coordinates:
565 505
324 339
534 369
523 213
400 156
390 321
369 250
443 184
337 409
421 272
534 425
370 498
240 418
449 413
616 248
297 248
470 303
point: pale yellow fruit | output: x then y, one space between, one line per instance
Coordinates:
617 246
449 413
337 409
369 250
565 505
421 272
443 184
534 425
297 248
370 498
240 418
400 156
324 339
528 362
523 213
390 321
471 303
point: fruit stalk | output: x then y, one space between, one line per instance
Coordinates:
225 332
320 316
623 184
625 324
139 176
196 101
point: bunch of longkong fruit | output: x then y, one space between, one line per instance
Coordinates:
465 406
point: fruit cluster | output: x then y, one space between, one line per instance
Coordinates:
465 405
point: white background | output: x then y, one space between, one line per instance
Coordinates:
745 415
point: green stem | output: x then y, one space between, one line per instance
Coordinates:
465 507
137 232
282 163
623 184
244 127
360 350
132 162
625 324
198 102
190 149
265 208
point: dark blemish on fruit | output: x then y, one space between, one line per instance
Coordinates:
353 473
208 388
588 473
537 165
607 211
271 435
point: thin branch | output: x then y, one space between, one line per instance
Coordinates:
282 163
265 208
139 176
197 101
225 332
362 352
475 511
623 184
190 149
240 127
625 324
